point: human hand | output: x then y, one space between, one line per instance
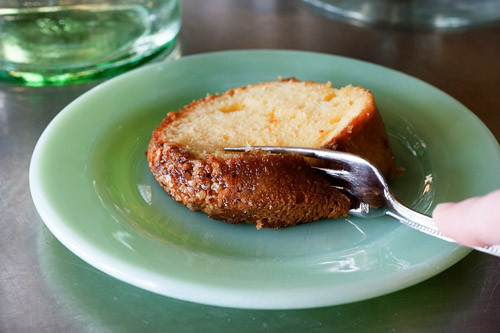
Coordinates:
472 222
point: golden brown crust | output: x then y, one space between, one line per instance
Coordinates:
272 191
366 136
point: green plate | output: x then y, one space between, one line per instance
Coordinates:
91 185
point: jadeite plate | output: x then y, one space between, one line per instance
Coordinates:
91 185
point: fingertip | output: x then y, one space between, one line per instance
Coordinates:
471 222
441 218
439 213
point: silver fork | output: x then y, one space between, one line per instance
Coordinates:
363 181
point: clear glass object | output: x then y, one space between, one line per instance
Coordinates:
420 14
55 42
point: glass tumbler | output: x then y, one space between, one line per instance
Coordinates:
419 14
55 42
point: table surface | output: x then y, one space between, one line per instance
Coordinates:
46 288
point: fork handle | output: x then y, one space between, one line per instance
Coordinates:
425 223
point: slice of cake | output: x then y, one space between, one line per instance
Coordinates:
186 153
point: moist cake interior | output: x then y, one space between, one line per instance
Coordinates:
288 113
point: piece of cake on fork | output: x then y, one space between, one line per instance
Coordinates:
186 153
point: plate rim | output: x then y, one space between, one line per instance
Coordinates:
89 254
